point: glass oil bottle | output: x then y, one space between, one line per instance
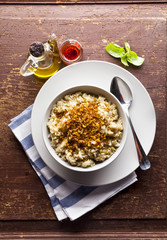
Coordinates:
43 59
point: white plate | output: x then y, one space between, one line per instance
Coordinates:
100 74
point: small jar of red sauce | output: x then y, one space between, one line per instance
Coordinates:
70 51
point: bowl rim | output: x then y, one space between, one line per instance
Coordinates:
45 130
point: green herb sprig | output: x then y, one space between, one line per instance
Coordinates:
126 54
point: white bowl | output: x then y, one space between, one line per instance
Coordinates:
92 90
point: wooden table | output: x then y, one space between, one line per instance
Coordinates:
138 212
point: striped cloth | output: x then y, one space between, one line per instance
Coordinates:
69 200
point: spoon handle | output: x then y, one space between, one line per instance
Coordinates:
143 159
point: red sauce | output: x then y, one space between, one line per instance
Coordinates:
71 52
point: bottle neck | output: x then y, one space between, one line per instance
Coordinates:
46 59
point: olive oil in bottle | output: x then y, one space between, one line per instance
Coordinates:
43 59
49 71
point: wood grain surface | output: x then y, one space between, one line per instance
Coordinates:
74 2
23 200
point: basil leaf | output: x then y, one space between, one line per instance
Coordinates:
115 50
137 62
128 56
127 46
132 54
124 60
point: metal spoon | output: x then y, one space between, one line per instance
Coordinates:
123 93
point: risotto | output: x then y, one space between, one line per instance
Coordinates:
84 129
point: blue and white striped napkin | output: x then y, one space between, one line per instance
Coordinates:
68 199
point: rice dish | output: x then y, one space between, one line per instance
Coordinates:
84 129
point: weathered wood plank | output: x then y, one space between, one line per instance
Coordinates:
74 2
87 229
